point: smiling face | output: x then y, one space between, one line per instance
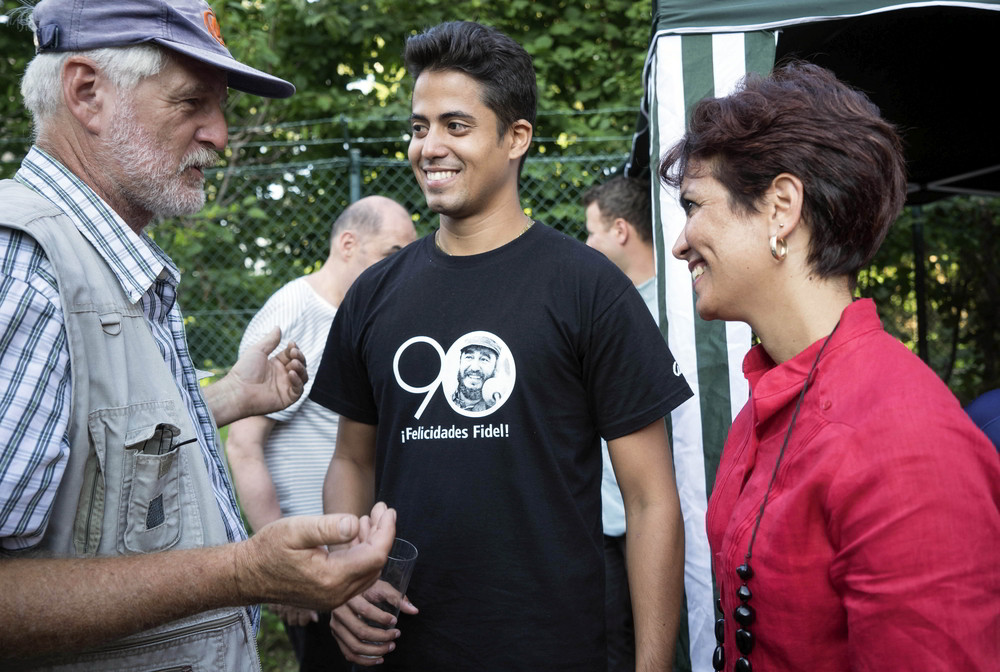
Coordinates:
726 251
161 137
464 170
477 365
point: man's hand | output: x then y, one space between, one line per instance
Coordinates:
77 603
258 385
287 562
361 643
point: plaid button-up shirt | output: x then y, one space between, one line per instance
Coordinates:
34 355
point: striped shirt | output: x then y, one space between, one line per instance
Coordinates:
34 354
300 445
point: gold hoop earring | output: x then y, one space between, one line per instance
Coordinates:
779 248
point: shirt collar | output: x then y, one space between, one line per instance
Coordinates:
647 290
775 386
135 259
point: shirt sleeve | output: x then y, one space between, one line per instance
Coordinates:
632 377
35 385
278 311
915 519
342 383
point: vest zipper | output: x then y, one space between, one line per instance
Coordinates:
215 624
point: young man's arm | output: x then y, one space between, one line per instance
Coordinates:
67 604
350 486
654 544
350 478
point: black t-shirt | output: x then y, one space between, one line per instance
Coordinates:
490 378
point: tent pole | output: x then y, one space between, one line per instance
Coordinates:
919 280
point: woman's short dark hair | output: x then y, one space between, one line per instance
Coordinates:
802 120
499 63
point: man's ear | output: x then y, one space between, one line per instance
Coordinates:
520 134
784 204
620 229
88 95
346 244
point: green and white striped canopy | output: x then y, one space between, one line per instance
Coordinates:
925 64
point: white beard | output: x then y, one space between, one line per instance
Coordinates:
147 181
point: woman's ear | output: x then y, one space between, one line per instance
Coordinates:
784 204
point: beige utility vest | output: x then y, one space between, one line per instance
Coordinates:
129 487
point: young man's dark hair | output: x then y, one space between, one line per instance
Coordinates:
496 61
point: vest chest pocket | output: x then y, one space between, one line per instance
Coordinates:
152 492
146 479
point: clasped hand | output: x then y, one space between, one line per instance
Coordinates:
359 641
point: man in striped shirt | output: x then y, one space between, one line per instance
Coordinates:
279 460
123 134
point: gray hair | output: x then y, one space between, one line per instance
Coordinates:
125 67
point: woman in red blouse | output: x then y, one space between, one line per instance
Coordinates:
855 518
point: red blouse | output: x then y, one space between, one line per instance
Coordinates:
879 548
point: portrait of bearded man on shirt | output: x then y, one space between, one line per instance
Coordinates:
477 364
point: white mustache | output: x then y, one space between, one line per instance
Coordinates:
203 157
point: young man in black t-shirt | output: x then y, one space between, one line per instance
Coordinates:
501 499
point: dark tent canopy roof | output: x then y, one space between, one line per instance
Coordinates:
930 67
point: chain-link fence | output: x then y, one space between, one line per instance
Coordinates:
266 225
269 210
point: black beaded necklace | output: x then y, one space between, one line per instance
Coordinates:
744 614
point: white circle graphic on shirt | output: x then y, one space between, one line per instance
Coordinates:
478 374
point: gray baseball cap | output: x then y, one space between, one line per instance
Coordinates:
188 27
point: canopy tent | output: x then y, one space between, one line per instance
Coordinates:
925 64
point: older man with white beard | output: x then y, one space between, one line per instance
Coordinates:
120 537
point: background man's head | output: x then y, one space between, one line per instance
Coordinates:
620 220
368 231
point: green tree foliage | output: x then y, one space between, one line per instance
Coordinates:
16 49
961 245
587 57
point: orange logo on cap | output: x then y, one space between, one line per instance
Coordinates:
212 24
